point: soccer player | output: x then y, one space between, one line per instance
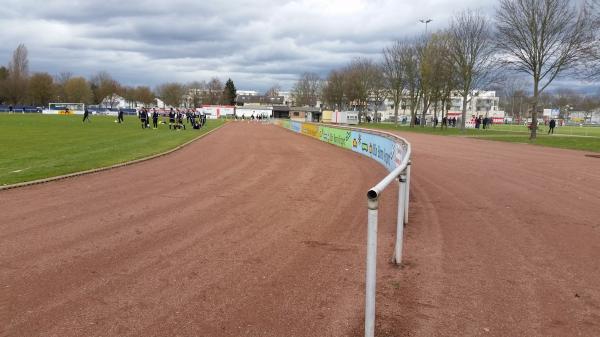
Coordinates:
86 114
154 118
172 119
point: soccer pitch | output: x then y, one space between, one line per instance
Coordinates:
40 146
586 131
566 137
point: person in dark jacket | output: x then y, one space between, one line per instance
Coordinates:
120 116
552 125
172 119
180 123
144 118
86 114
154 119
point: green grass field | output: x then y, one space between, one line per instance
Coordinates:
40 146
566 137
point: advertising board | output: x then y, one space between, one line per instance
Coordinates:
384 150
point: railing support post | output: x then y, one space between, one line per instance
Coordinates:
407 192
373 204
400 220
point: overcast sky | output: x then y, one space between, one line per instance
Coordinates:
256 43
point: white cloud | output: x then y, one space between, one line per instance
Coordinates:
256 43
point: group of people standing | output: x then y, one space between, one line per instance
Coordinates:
448 121
485 122
177 118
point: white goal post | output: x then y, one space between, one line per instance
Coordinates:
65 109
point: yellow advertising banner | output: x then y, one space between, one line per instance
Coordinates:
310 130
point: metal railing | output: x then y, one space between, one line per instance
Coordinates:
400 172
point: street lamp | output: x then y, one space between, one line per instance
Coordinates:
425 21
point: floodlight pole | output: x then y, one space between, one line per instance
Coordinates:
425 21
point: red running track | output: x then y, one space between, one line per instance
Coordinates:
249 233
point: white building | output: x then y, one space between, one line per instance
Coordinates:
287 97
247 92
479 103
117 102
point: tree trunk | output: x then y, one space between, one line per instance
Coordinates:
396 111
464 111
435 107
536 94
424 112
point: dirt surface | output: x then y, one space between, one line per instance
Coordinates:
251 231
256 231
503 240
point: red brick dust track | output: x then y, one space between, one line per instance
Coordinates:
503 240
251 231
256 231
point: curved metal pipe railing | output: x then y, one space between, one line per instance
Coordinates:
402 173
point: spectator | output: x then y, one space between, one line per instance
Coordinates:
552 126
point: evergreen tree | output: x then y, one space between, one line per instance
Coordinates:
229 93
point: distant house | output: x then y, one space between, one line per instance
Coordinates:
244 100
257 110
305 114
281 111
117 102
479 103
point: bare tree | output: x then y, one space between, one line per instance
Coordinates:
593 67
145 95
307 90
378 90
128 94
543 38
412 75
3 78
566 99
510 95
41 89
214 91
393 70
77 90
471 52
363 79
273 91
18 74
105 89
436 73
196 93
172 93
60 81
333 90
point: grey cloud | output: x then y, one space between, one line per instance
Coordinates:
256 43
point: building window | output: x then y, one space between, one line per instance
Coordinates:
296 113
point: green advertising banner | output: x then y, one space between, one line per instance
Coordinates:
339 137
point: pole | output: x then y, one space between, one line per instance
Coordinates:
407 192
426 22
373 204
400 220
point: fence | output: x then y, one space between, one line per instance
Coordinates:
393 153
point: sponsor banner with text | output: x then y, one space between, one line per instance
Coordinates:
384 150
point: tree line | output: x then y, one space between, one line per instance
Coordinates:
18 87
541 39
